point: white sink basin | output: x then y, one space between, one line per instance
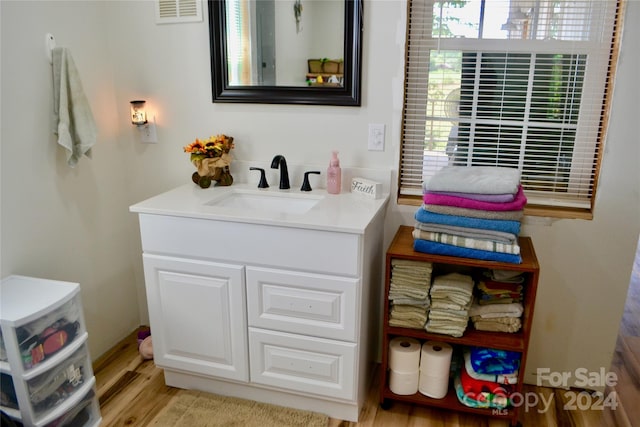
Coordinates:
266 201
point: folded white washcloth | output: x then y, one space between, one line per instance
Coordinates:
75 125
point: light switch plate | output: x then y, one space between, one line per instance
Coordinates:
376 137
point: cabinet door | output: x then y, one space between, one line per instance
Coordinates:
197 316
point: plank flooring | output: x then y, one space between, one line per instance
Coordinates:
132 392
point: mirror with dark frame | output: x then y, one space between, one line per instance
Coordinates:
286 52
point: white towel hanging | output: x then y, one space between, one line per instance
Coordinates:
76 127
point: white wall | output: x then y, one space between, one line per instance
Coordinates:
57 222
84 232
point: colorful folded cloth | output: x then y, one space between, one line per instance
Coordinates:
474 233
474 213
467 400
506 226
429 247
517 204
501 379
475 179
467 242
489 392
494 198
493 361
491 292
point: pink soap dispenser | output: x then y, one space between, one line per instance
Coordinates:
334 174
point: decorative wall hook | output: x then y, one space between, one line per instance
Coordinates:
49 44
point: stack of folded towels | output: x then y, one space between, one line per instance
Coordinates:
486 378
471 212
498 303
409 293
451 297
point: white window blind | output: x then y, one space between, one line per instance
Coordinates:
239 41
520 83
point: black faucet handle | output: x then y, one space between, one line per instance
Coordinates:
263 179
305 183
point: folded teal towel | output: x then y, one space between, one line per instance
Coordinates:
430 247
507 226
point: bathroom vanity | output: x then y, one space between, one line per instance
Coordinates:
265 294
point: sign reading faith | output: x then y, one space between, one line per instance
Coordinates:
366 187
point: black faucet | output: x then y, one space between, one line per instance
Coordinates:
263 179
305 183
279 161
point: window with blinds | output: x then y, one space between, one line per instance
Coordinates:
520 83
239 42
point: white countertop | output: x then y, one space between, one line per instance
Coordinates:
345 212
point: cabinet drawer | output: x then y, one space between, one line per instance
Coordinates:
292 248
305 364
303 303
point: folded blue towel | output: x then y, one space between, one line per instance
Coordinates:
431 247
507 226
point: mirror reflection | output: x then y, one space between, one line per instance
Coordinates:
285 43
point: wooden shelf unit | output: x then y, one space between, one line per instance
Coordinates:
402 248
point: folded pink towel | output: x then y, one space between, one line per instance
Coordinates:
517 204
495 198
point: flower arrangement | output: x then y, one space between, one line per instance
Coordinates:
212 159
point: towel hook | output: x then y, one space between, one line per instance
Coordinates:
49 44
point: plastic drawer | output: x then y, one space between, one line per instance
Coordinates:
8 398
55 386
3 350
84 414
42 338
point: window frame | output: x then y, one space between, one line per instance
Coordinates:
536 206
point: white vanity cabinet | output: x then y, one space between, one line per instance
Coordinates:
47 377
281 314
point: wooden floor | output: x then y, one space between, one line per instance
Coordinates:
132 392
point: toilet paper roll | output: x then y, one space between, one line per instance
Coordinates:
404 383
404 354
435 358
432 386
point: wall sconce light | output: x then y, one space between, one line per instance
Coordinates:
138 113
146 129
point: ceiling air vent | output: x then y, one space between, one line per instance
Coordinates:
172 11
